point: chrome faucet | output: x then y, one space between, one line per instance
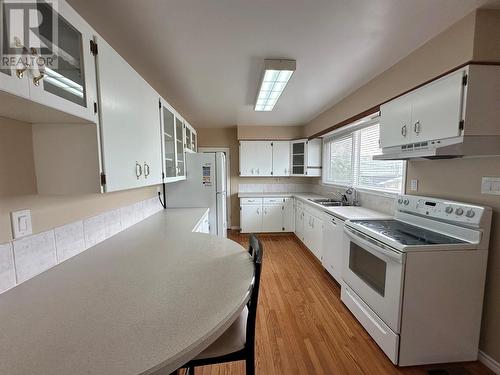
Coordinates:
353 193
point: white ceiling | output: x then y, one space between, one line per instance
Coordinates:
206 56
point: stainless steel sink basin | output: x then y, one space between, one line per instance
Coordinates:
322 200
332 204
327 202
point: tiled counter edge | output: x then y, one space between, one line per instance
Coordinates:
26 257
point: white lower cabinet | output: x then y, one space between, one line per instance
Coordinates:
272 218
313 234
204 225
288 215
272 215
251 218
309 227
299 220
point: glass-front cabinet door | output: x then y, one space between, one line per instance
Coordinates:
13 56
179 148
193 141
188 139
168 143
299 158
63 61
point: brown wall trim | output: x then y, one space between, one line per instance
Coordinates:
376 108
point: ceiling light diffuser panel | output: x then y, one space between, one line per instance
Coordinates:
276 75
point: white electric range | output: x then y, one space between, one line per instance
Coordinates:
416 282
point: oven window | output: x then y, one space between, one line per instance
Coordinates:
368 267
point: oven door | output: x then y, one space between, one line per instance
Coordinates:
375 272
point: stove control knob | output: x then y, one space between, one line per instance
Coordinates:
400 200
406 202
449 210
470 213
459 211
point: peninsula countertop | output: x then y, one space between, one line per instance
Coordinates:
151 297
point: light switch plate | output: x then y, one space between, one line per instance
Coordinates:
414 185
490 185
21 223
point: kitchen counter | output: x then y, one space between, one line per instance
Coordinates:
151 297
342 212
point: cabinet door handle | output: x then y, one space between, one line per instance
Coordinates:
138 170
258 171
146 170
40 67
285 170
252 170
265 211
417 127
258 211
23 61
403 130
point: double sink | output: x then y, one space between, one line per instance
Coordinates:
328 202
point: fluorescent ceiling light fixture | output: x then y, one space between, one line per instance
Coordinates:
276 75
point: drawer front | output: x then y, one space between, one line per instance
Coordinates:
386 339
274 200
251 201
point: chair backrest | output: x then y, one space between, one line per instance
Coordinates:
256 250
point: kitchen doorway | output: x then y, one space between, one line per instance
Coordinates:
225 150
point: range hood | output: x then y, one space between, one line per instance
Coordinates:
470 145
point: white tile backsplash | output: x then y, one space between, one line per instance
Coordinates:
70 240
275 188
34 254
127 216
24 258
95 230
7 271
112 222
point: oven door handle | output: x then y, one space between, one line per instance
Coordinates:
373 246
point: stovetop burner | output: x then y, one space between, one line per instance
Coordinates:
407 234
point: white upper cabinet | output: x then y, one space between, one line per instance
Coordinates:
281 158
66 83
129 124
432 112
256 158
437 108
173 134
395 122
306 157
191 138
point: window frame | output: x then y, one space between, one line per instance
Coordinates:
345 132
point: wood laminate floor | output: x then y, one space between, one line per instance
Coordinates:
303 327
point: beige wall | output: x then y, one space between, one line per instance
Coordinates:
228 137
475 37
17 170
487 36
270 132
451 48
18 187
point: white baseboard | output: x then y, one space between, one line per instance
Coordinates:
235 228
489 362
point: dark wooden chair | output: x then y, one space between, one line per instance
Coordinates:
238 342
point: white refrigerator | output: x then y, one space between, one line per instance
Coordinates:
205 186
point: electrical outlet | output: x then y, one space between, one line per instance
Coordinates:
414 185
21 223
490 185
